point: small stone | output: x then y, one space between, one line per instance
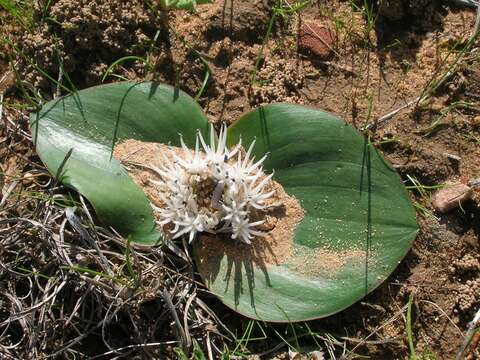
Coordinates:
316 39
451 196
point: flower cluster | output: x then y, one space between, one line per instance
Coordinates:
212 189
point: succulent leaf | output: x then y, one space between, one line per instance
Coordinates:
353 199
90 122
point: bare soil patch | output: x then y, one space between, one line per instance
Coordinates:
280 219
323 262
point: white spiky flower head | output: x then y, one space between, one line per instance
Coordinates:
212 189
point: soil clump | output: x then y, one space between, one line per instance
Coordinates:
372 72
85 38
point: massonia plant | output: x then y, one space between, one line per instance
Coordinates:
351 196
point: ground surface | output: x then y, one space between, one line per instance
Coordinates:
327 55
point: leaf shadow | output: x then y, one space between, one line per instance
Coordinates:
366 182
119 112
240 265
264 131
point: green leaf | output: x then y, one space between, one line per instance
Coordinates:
197 351
89 122
353 201
183 4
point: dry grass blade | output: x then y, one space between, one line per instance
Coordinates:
472 328
181 334
1 105
75 223
130 347
47 297
392 319
472 3
392 113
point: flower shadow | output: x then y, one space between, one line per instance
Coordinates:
233 268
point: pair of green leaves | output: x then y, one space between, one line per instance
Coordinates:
358 216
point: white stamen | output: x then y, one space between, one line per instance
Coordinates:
238 189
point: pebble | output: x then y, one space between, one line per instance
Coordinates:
451 197
317 39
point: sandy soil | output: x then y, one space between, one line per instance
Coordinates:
360 74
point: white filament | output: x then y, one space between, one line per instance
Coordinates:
239 187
